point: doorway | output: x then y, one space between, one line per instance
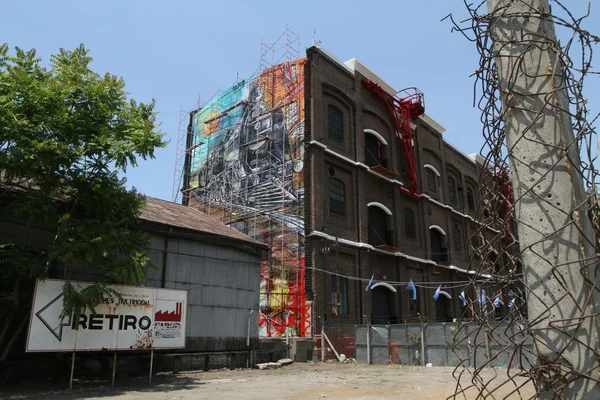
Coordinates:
382 312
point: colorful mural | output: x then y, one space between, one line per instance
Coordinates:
246 169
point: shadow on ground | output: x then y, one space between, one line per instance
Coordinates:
85 388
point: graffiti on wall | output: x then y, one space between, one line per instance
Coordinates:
246 169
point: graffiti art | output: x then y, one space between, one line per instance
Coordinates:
247 161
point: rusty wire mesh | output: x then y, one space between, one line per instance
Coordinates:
511 357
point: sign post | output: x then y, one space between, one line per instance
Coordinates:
72 370
114 371
140 318
143 318
151 362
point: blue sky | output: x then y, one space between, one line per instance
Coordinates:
178 51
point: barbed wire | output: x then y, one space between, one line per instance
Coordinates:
539 346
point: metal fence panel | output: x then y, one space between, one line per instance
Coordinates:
451 334
380 355
436 355
379 335
480 357
398 335
435 334
414 355
502 356
361 335
459 355
361 353
445 345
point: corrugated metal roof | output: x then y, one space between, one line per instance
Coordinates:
180 216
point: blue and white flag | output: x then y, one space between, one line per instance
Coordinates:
370 283
482 298
498 303
413 289
512 302
436 295
463 299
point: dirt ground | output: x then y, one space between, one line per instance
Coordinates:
296 381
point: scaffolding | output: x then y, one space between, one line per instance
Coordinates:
240 159
182 153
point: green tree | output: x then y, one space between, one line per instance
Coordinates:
66 136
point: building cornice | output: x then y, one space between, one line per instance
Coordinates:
363 246
359 164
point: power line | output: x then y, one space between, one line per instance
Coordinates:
292 268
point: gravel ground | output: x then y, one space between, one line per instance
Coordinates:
296 381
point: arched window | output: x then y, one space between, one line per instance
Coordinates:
439 253
452 191
470 200
375 148
410 227
379 234
431 184
457 239
337 197
335 123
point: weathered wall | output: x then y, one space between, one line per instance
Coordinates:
222 281
246 168
326 158
223 287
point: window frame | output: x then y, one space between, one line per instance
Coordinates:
374 138
339 296
452 190
470 200
377 209
431 180
414 225
341 204
337 135
457 239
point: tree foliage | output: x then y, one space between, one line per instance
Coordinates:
66 136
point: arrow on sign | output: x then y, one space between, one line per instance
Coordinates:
50 315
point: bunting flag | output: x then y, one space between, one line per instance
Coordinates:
498 303
436 295
511 303
413 289
463 299
370 282
482 298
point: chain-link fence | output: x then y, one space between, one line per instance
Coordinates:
535 252
339 342
443 344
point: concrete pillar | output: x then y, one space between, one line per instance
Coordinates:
554 230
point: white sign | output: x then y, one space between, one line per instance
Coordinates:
143 319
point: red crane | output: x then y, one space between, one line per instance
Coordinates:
406 106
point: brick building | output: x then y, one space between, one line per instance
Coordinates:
322 177
360 221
